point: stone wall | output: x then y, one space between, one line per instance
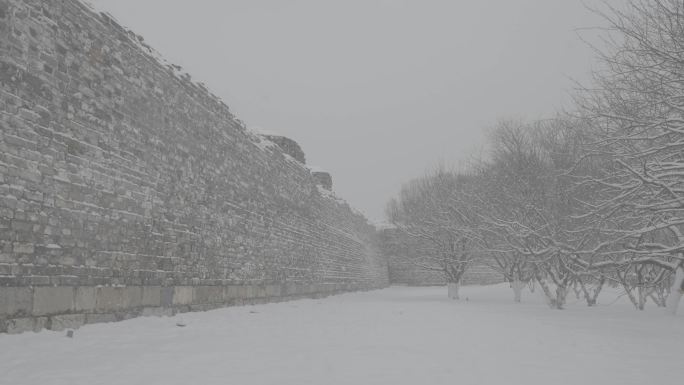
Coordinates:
288 146
323 179
126 189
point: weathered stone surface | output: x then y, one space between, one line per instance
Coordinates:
100 318
118 298
273 290
231 292
157 312
67 321
208 294
133 297
20 325
41 323
85 299
289 146
109 298
166 296
52 300
246 292
151 296
260 291
16 301
183 295
323 179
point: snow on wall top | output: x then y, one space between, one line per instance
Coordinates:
316 169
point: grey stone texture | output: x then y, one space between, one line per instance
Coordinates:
324 179
16 301
125 187
288 146
67 321
49 300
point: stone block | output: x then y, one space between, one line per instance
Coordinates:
260 301
151 296
85 298
132 297
23 248
118 298
166 296
16 301
20 325
67 321
40 323
319 288
260 291
208 294
100 318
274 290
310 289
231 292
53 300
157 312
246 291
182 295
290 289
130 314
203 307
109 299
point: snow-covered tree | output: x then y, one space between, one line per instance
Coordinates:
429 210
636 108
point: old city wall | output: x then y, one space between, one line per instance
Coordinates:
126 189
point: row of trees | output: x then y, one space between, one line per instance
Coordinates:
594 196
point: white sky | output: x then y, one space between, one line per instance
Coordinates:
375 91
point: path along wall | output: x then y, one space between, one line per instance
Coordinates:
126 189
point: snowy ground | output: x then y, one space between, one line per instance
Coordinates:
395 336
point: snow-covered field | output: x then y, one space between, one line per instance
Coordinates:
395 336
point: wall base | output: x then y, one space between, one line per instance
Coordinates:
24 309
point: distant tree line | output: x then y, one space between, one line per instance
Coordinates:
594 196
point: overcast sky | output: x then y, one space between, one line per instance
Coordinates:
375 91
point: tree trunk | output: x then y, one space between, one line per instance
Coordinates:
453 290
561 295
555 299
517 286
643 297
550 299
591 300
676 292
630 295
577 287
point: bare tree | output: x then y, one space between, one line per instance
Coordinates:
637 111
426 210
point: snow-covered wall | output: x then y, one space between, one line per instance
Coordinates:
127 189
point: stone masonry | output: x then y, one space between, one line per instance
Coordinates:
324 179
126 189
288 146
